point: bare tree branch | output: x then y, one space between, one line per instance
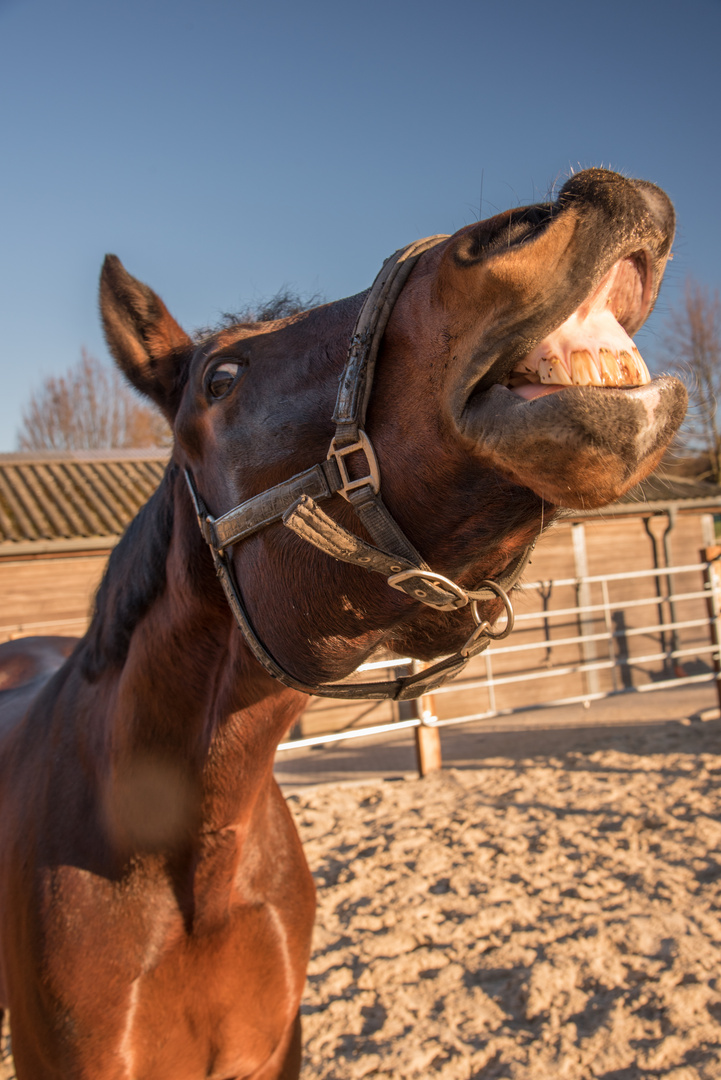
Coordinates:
91 407
692 348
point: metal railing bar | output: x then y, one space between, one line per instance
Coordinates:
617 605
13 628
626 575
687 625
529 676
489 679
666 684
359 733
578 699
376 665
614 652
647 688
500 650
572 669
672 654
553 643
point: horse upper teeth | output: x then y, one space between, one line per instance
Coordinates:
583 370
583 367
610 368
551 370
590 348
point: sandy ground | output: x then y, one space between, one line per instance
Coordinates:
548 915
537 918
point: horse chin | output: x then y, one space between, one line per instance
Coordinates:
580 447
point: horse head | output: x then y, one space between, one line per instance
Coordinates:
506 386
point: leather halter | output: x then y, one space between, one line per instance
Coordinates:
294 502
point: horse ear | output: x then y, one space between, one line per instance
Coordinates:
146 341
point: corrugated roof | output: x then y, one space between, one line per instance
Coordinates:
667 486
55 501
47 497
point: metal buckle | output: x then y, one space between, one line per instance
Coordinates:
439 581
373 478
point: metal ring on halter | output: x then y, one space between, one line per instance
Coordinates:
485 627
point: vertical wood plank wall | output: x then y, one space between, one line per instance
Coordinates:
58 591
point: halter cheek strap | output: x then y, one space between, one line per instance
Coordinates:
294 502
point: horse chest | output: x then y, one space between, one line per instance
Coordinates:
217 1004
142 992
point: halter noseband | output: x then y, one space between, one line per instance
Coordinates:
294 502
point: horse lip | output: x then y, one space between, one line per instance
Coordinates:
510 409
552 444
649 287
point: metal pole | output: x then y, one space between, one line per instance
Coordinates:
677 668
667 663
712 582
583 600
617 641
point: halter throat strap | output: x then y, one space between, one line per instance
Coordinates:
294 503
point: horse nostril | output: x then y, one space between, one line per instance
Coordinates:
659 206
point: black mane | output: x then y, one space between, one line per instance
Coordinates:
134 578
284 303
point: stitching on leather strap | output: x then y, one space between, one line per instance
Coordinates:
308 521
357 378
268 507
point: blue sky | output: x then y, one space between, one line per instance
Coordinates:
224 148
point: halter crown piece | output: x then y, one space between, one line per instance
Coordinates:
294 502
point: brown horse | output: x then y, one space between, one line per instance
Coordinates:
155 906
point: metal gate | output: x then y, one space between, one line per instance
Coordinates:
621 633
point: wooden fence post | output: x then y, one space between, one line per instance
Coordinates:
428 737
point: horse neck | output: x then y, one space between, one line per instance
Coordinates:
186 709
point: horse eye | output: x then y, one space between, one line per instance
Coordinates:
221 378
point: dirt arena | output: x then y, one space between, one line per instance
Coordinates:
540 918
534 919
